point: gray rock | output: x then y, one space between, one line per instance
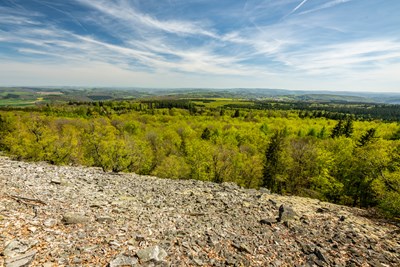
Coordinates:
322 210
140 238
242 248
23 260
307 249
104 219
151 253
196 223
265 190
229 185
230 260
50 222
56 181
14 248
98 205
286 213
198 262
123 260
74 218
320 254
273 202
268 221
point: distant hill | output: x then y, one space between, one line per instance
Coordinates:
25 96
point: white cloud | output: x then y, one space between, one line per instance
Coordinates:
329 4
339 58
122 10
286 53
103 74
298 6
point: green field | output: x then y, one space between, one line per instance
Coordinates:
220 102
17 102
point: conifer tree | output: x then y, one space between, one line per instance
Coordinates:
348 128
367 137
273 164
206 135
337 130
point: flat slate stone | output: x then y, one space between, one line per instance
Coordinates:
151 253
286 213
74 218
123 260
23 260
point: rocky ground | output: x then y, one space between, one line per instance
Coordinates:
74 216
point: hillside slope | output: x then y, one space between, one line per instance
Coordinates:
74 216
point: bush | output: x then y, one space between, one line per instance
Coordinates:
390 204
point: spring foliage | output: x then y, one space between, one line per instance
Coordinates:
347 161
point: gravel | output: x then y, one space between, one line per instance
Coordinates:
74 216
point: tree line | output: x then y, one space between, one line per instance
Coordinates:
345 161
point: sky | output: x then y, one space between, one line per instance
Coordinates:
339 45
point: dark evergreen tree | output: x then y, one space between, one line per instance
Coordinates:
273 165
206 135
322 133
348 128
367 137
337 130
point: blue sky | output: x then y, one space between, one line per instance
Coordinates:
351 45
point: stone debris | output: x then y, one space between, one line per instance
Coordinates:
22 260
269 221
74 216
286 214
15 247
104 219
320 255
122 260
151 254
50 222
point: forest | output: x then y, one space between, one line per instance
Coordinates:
350 158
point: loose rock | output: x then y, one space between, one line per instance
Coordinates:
15 248
23 260
268 221
138 220
104 219
151 253
74 218
50 222
286 213
122 260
